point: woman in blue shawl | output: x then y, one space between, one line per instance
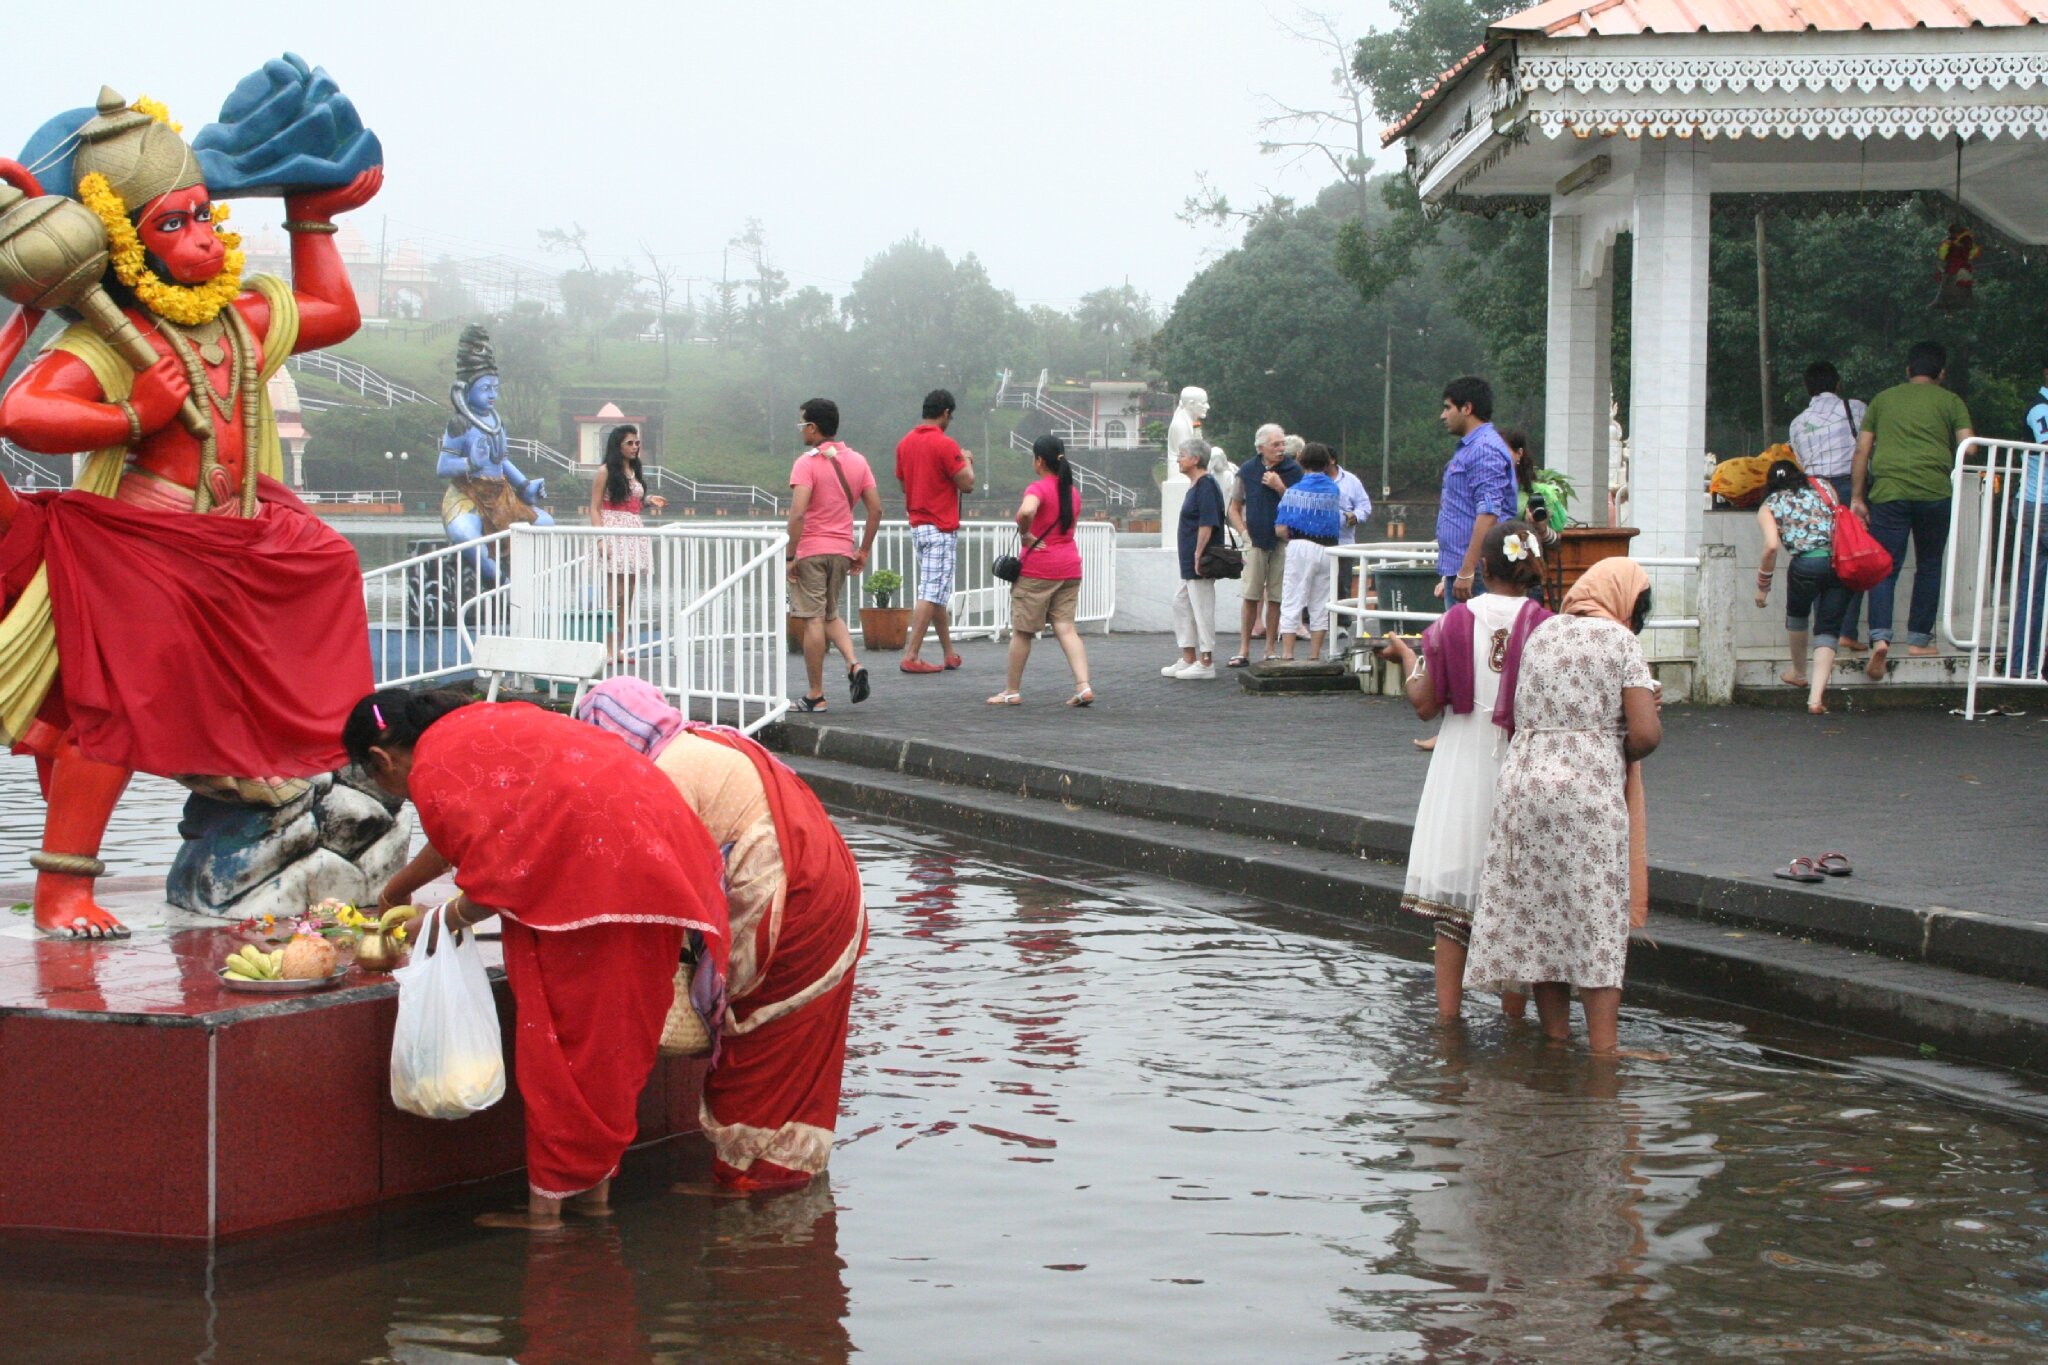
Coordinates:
1308 523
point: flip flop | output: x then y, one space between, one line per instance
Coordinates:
1834 865
1237 661
808 704
1006 699
920 666
1084 697
954 661
857 684
1799 870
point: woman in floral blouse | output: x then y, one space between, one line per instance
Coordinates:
1801 519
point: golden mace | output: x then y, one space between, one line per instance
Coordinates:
53 254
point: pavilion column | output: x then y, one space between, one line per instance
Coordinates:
1578 360
1668 356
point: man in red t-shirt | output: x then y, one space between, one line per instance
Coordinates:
934 472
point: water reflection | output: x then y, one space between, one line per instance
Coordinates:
1094 1125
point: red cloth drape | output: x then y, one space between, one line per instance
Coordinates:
201 644
598 866
772 1102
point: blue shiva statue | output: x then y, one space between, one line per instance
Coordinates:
486 492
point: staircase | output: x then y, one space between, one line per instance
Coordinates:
1074 428
379 388
30 473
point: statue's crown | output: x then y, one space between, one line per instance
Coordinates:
142 158
474 357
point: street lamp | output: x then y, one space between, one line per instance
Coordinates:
1387 418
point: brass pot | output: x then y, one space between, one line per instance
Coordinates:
378 951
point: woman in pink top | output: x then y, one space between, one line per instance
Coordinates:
1049 589
616 497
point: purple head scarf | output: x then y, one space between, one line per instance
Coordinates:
633 710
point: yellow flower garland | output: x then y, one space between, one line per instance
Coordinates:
156 110
188 305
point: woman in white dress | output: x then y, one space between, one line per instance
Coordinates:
1565 868
616 497
1467 675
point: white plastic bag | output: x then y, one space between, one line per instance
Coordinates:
447 1060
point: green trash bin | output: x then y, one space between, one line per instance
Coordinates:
1407 590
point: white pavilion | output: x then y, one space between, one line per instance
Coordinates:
1630 115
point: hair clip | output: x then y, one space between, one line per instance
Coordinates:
378 712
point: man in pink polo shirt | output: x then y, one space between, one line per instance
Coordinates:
934 472
829 477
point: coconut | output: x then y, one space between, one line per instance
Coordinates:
307 957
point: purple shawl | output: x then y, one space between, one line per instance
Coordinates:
1447 654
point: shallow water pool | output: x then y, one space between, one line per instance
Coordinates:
1094 1118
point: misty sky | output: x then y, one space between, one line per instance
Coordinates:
1056 139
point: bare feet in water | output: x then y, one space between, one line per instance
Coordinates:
543 1214
707 1189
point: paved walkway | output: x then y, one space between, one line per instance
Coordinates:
1934 812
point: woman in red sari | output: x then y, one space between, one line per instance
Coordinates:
799 924
598 868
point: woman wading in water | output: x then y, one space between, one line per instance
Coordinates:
598 869
1566 868
1471 659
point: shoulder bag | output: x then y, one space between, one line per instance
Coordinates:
1860 562
1222 557
852 543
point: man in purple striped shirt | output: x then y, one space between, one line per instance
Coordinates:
1479 485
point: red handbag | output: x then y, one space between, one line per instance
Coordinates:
1860 562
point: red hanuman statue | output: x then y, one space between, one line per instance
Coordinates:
179 611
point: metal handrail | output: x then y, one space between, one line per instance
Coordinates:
2009 526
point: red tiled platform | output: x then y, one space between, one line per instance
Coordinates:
138 1095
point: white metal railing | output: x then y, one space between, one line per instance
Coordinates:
2007 616
356 377
1099 487
28 472
981 601
657 478
1421 556
695 610
345 498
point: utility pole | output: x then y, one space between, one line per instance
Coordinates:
383 237
1387 419
1763 330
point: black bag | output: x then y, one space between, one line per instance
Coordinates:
1221 558
1009 568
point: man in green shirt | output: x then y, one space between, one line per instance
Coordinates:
1904 457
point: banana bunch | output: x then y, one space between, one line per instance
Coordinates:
251 965
396 916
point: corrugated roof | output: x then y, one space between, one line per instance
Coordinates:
1608 18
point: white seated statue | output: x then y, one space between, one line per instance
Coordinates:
1187 422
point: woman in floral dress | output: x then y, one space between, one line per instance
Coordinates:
1562 881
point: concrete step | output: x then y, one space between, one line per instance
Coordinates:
1936 680
1913 1004
1837 912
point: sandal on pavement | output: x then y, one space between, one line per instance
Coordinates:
808 704
1799 870
857 683
954 661
1834 864
1877 667
1007 699
919 666
1237 661
1084 697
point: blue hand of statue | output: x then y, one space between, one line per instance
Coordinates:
536 490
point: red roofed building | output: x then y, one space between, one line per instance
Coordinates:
1637 116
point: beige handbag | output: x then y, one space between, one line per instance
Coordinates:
684 1033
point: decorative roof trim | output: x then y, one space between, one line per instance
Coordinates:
1713 121
1711 75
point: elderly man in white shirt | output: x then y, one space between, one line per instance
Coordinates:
1356 505
1823 438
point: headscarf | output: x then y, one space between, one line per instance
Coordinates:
634 710
1609 591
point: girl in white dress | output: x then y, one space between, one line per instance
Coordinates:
1467 675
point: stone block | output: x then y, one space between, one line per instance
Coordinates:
351 820
230 850
381 860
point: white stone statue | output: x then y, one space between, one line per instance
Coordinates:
1223 469
1187 421
1618 493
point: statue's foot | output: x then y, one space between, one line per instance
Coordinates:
64 908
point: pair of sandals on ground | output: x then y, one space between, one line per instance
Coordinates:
1815 869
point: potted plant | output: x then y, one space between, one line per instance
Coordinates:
883 626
